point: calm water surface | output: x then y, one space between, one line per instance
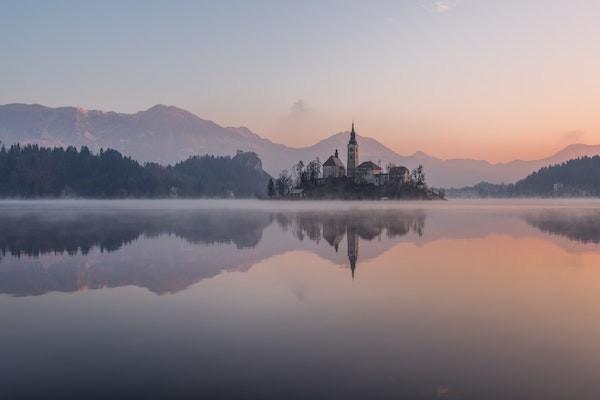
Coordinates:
258 300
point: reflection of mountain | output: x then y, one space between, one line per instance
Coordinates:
69 251
581 226
167 250
74 250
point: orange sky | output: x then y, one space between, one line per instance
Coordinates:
495 80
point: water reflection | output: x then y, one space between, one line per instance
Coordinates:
70 232
470 302
70 251
581 226
167 251
354 225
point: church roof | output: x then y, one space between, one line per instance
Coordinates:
333 161
399 169
352 135
369 165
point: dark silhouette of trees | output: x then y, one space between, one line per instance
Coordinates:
271 188
577 177
314 170
284 183
299 173
35 172
418 177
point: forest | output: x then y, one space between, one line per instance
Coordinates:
40 172
579 177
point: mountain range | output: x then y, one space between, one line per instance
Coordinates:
168 134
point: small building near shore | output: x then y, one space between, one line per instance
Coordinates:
297 193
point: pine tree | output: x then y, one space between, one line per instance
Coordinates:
271 188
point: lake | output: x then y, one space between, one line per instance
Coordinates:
300 300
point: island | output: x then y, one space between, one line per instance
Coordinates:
359 181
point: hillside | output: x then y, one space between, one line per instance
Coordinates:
579 177
38 172
167 135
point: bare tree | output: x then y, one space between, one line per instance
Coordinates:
298 169
314 170
284 183
417 177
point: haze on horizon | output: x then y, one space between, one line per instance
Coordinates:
454 78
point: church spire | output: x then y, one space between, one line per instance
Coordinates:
352 135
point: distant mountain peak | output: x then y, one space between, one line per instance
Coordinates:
420 154
165 115
166 109
574 150
169 134
162 107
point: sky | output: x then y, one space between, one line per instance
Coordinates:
495 80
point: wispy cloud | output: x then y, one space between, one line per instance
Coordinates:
439 6
297 118
573 136
299 123
298 109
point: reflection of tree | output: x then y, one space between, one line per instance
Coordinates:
161 265
581 226
366 225
157 265
35 234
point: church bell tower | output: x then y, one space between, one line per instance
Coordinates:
352 160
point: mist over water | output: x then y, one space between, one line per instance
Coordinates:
257 299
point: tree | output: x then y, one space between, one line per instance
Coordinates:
284 183
33 171
314 170
299 172
271 188
418 177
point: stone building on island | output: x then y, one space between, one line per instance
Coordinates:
334 167
368 172
363 173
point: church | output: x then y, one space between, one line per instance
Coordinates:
367 172
334 167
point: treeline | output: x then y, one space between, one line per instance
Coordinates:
38 172
302 175
579 177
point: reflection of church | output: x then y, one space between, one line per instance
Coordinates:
333 233
352 248
357 225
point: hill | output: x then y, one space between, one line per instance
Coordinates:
579 177
167 134
38 172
